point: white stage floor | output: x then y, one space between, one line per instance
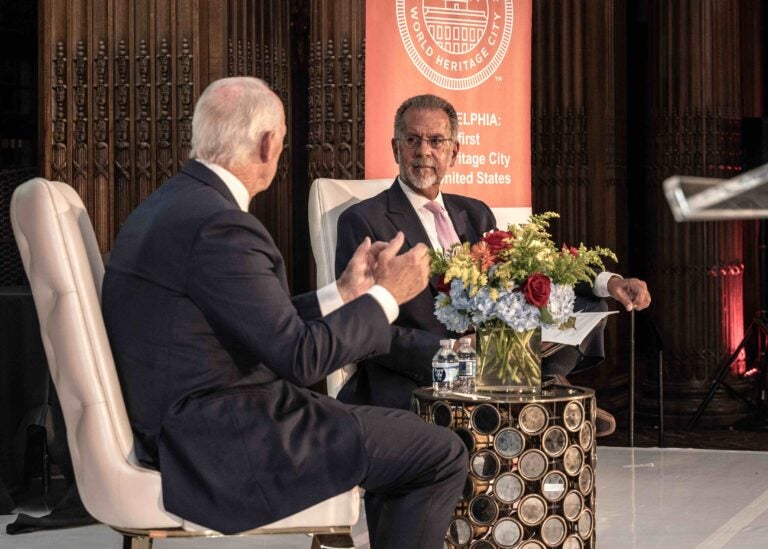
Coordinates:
679 498
647 498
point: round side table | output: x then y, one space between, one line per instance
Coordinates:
531 482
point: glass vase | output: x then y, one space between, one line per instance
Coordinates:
508 361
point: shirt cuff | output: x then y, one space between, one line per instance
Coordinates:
386 300
329 298
600 287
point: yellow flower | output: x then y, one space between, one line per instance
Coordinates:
502 268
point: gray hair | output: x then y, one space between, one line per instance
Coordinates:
427 102
230 117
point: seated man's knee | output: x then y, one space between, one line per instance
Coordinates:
449 447
458 456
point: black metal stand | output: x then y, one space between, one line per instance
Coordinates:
632 379
757 327
660 368
632 376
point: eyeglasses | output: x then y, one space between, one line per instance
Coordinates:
435 143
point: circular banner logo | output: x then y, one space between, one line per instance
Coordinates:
456 44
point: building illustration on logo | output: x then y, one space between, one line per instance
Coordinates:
456 44
455 27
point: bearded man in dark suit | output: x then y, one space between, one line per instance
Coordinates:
214 354
425 146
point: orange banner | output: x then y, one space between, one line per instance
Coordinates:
477 55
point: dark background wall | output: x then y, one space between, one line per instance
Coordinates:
18 119
625 93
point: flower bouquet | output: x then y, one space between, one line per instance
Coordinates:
507 286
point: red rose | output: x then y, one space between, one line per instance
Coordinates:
440 284
495 241
536 289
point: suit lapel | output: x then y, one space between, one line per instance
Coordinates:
401 214
460 220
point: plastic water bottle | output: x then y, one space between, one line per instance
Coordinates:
445 367
467 365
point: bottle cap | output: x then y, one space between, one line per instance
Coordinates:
444 342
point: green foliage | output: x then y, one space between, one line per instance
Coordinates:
526 249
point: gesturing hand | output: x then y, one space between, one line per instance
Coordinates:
358 275
631 292
403 275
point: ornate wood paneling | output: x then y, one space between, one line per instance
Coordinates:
258 44
336 89
696 103
119 82
578 136
579 118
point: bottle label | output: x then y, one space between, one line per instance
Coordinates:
438 374
447 371
467 367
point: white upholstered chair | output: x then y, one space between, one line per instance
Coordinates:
62 260
327 199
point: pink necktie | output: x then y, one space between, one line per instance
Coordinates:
446 234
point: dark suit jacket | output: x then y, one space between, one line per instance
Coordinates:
213 354
389 380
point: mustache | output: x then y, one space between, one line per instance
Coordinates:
422 163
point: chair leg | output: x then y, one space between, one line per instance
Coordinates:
137 542
332 541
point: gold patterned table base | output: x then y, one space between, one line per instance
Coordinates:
531 481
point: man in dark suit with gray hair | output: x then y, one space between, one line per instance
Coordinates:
425 146
214 354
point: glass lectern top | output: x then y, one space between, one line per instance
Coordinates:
700 198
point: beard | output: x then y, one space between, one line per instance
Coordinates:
417 176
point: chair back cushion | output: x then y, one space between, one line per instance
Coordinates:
63 263
327 199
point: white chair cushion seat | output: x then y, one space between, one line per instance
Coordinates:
339 510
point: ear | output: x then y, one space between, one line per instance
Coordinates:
454 152
396 150
266 146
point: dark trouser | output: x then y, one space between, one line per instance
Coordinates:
415 474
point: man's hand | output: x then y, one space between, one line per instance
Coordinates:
472 342
631 292
358 276
403 275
